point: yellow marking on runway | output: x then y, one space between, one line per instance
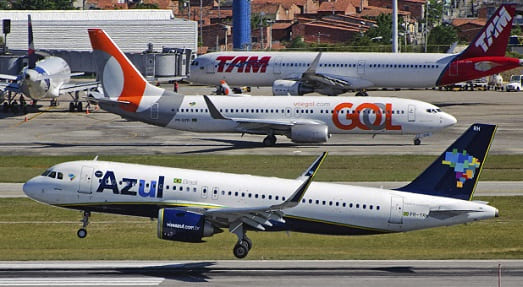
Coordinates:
34 116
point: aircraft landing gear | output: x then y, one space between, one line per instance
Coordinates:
244 244
76 104
269 140
362 93
82 232
418 137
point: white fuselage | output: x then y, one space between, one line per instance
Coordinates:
340 209
46 79
361 70
354 114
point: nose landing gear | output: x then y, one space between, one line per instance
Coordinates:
82 232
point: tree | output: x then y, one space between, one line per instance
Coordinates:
42 4
434 13
441 37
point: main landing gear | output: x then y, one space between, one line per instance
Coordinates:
362 93
244 244
269 140
82 232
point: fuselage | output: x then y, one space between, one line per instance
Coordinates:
358 70
46 78
326 208
362 70
341 115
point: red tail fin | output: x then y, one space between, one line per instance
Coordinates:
492 40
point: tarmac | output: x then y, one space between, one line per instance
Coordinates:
54 131
390 273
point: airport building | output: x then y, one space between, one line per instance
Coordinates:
157 42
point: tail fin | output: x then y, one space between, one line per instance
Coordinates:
119 77
492 40
31 54
226 89
456 171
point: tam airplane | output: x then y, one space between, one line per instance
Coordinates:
303 120
47 78
192 204
331 73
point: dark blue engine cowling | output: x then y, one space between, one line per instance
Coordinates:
181 225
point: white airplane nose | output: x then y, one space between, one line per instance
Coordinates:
32 187
448 120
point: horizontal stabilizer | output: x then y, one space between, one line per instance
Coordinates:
446 214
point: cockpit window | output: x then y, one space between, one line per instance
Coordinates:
433 111
52 174
60 175
46 172
194 63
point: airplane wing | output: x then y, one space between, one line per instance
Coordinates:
249 125
329 84
8 77
259 217
77 86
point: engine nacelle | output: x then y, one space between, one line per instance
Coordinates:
181 225
292 88
309 133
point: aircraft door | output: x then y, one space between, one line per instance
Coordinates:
85 184
205 190
454 69
361 67
154 111
396 210
215 192
411 113
277 65
210 67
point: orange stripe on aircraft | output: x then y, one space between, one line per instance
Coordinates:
134 84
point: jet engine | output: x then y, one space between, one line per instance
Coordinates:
292 88
309 133
181 225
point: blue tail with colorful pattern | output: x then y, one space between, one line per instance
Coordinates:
456 171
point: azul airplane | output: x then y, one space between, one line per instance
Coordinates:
330 73
47 78
192 204
303 120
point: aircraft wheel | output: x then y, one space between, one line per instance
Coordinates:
6 107
82 233
248 242
417 141
79 107
269 140
240 249
71 107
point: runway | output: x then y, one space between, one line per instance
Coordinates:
396 273
58 132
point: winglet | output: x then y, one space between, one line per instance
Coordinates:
314 65
215 113
307 178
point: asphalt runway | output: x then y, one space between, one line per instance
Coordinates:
54 131
264 273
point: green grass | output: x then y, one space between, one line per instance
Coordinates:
34 231
335 168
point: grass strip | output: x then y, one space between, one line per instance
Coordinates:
34 231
